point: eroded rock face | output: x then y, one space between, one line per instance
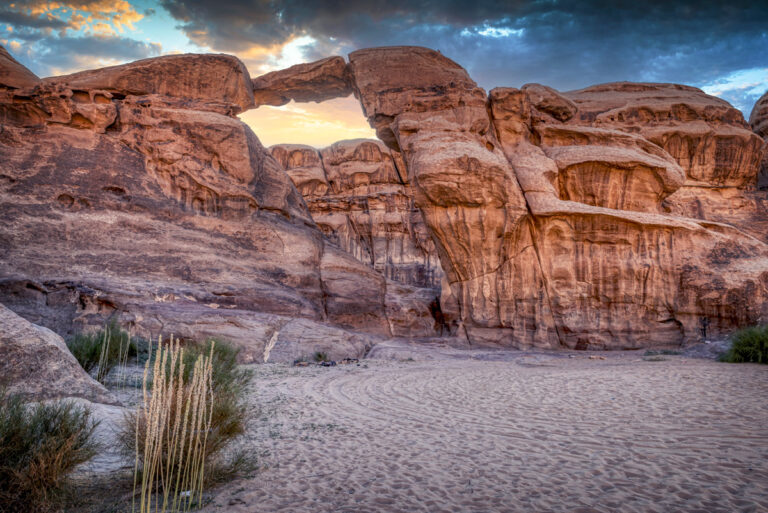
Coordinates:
361 199
36 363
464 186
759 122
551 216
118 197
13 74
312 82
705 135
618 216
203 78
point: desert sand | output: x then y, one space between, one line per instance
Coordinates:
509 431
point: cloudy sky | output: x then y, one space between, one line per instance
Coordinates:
721 47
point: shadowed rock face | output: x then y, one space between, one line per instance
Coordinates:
362 201
552 215
759 122
118 197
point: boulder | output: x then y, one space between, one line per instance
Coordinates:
36 364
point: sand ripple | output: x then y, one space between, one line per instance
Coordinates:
557 434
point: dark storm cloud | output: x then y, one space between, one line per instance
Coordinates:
20 19
61 53
564 44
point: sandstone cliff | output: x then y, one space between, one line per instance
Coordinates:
759 122
362 201
551 225
618 216
135 191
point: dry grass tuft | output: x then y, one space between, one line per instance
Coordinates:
171 430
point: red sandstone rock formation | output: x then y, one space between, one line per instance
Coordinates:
315 82
550 217
759 122
705 135
362 201
618 216
134 191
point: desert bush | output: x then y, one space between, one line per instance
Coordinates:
102 350
193 408
749 345
321 356
39 446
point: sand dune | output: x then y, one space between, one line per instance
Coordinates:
536 433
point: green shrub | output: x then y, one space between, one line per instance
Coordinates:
320 357
102 350
39 446
749 345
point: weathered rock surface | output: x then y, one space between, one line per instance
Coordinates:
312 82
166 211
705 135
618 216
36 363
13 74
759 122
464 186
362 201
205 78
551 217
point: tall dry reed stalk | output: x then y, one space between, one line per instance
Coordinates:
172 426
104 363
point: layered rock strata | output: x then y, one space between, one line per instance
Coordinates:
135 192
759 122
618 216
705 135
361 199
554 229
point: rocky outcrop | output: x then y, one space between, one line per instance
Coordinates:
361 199
13 74
705 135
464 187
551 214
759 122
312 82
37 365
145 199
618 216
221 80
